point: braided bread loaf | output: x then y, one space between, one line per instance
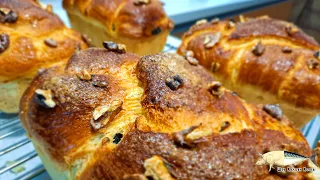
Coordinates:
264 60
141 25
108 114
30 38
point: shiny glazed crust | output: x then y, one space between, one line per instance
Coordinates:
142 134
27 50
142 28
281 74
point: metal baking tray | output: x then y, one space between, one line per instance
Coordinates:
19 160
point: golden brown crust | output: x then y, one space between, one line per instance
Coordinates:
27 50
153 113
281 68
124 17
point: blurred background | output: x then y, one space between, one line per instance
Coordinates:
304 13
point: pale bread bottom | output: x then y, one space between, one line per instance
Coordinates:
10 94
298 115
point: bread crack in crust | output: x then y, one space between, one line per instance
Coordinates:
266 61
147 127
34 39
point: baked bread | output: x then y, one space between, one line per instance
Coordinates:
264 60
112 115
31 37
141 25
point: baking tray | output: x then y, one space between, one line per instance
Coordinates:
18 150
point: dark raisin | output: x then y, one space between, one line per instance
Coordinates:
258 49
111 46
4 42
51 43
117 138
273 110
113 27
156 31
286 49
141 2
174 82
11 17
317 54
313 64
39 98
235 93
224 126
7 16
216 88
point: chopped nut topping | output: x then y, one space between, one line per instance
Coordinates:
194 136
117 138
202 21
273 110
192 60
101 110
242 18
216 88
84 75
225 125
44 98
258 49
211 40
141 2
156 31
291 30
122 48
7 16
189 53
231 24
215 20
103 113
179 138
49 8
286 49
51 43
170 25
174 82
313 64
111 46
87 40
134 177
189 57
156 168
4 42
215 66
317 54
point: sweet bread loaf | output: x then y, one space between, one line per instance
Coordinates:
264 60
31 37
141 25
108 114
